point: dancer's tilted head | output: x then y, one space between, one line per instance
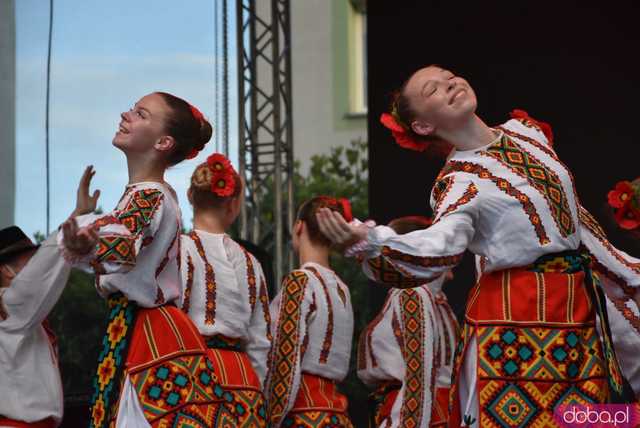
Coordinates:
216 188
306 226
164 127
430 104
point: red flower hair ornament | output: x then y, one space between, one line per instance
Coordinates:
544 127
346 209
223 182
625 199
401 134
197 114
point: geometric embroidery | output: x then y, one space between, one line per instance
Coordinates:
413 353
386 272
467 196
111 360
264 299
525 372
188 286
423 261
286 347
247 407
139 211
210 281
317 419
440 190
592 225
116 249
539 176
506 187
251 280
326 343
167 387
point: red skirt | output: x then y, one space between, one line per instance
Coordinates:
239 387
318 404
46 423
439 409
537 347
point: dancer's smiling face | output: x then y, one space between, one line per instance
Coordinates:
143 125
439 99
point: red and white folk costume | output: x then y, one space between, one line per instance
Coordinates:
225 294
312 322
406 355
153 359
529 336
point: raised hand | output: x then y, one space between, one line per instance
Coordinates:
337 230
78 241
86 203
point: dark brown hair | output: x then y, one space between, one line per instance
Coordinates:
190 132
402 225
307 214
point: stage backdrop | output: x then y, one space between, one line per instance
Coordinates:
572 64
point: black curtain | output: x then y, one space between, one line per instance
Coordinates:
572 64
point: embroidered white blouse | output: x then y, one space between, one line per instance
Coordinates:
224 292
411 342
138 246
312 322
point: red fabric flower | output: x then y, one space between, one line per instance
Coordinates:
628 217
223 184
346 209
621 195
196 113
400 134
219 163
543 126
192 154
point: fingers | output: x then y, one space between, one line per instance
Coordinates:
96 195
326 224
85 180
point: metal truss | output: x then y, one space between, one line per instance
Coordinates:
265 126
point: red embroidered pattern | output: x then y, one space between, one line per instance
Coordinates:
506 187
544 148
467 196
592 225
159 297
423 261
116 249
397 331
251 280
440 190
328 337
264 300
539 176
386 272
210 281
187 291
140 208
287 345
626 312
413 353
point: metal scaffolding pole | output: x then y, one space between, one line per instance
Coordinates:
265 127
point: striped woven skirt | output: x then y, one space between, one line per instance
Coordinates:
318 404
238 384
153 369
529 345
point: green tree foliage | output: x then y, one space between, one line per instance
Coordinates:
79 320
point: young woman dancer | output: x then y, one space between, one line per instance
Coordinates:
152 369
313 329
405 354
529 336
225 294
